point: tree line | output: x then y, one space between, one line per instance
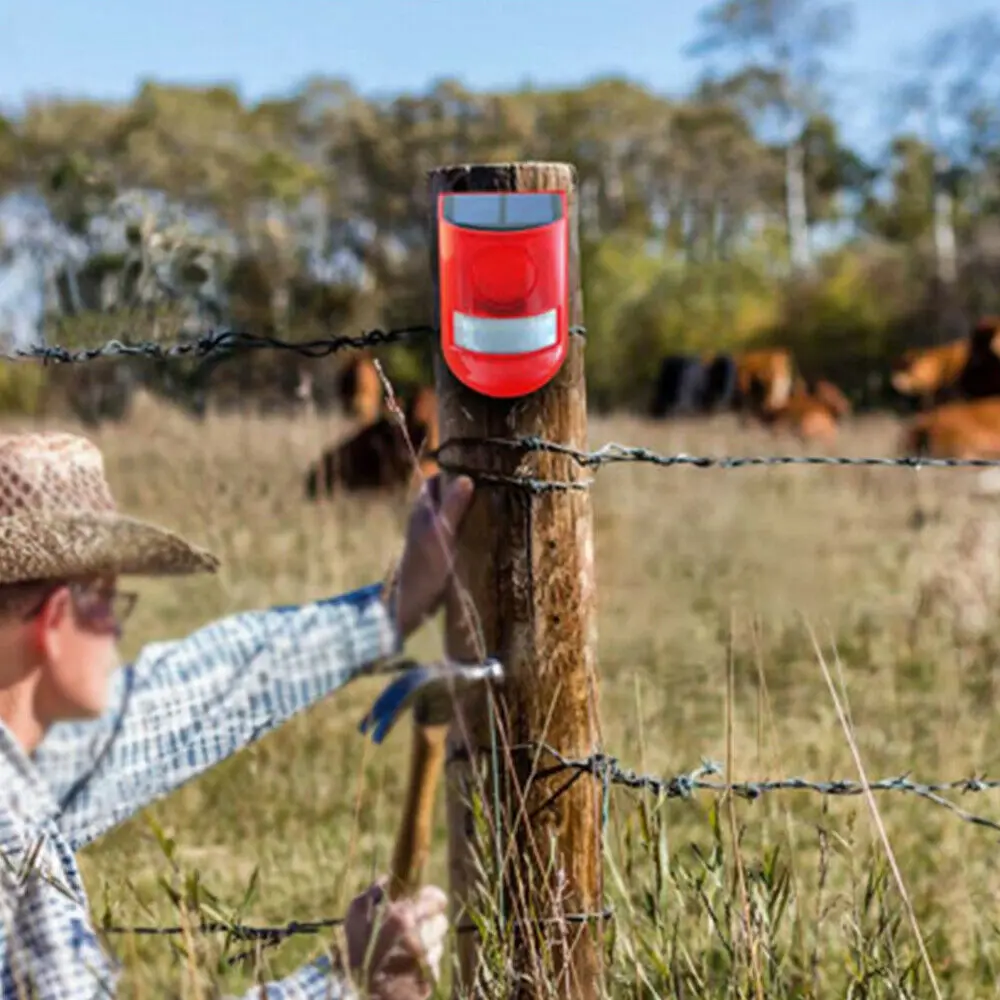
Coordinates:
735 216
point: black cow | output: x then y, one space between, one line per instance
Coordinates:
680 388
687 386
720 384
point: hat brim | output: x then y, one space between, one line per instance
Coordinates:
53 546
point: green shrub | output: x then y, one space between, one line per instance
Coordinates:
23 387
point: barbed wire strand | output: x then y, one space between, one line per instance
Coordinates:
613 453
227 340
609 771
224 341
218 342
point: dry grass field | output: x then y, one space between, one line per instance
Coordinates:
703 575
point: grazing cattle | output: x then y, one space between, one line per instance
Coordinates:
931 375
721 378
360 389
980 376
763 380
812 414
967 368
421 412
835 401
754 381
680 388
378 457
422 422
966 429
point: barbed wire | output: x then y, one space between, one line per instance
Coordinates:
613 453
218 342
226 340
610 772
237 931
250 932
270 937
617 454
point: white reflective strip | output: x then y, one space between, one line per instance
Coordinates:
486 335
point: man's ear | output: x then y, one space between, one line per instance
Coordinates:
50 619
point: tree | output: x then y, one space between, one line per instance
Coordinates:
950 102
783 43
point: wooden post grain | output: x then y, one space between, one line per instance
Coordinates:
525 559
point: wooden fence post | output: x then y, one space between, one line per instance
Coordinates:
526 560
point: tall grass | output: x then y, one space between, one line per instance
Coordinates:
711 586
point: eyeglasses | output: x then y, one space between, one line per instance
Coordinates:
97 607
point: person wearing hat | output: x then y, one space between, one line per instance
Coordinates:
84 745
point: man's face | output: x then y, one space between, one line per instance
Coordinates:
76 629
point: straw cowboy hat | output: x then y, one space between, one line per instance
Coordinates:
58 518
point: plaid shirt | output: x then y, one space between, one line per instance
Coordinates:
179 709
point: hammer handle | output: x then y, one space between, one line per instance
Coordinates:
413 840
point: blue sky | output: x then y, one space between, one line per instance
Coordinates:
102 48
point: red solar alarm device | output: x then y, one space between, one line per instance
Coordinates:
504 284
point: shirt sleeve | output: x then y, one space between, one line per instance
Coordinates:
184 706
315 981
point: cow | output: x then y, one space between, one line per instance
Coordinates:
812 413
378 456
751 382
980 377
931 375
680 387
966 368
831 397
359 388
763 380
422 420
964 429
721 383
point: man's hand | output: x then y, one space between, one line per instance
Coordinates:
425 569
395 948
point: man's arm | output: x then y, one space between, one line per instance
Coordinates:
315 981
184 706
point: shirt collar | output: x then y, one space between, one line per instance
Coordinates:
24 791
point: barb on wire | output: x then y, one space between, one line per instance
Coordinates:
219 342
271 936
239 932
613 454
608 770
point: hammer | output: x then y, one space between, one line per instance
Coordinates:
431 690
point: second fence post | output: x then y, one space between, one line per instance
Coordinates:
526 560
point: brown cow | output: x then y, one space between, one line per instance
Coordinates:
378 457
811 414
967 368
763 379
422 417
835 401
360 389
932 373
967 429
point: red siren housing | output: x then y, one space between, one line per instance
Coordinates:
504 277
